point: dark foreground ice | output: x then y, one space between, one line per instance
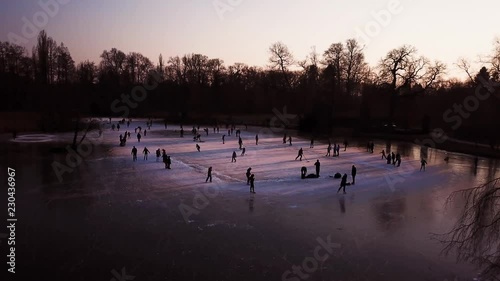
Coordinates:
113 219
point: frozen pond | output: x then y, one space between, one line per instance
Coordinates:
111 213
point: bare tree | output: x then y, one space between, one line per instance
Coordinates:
476 235
355 67
281 58
334 58
465 65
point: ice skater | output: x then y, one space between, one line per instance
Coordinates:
209 174
198 147
345 145
139 137
145 132
223 139
252 186
393 157
240 142
257 139
243 151
422 164
284 139
312 143
300 154
248 173
317 164
134 154
383 154
353 174
328 149
398 159
303 172
233 158
290 140
145 151
158 155
343 183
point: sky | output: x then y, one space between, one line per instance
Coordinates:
243 30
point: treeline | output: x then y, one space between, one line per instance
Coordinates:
335 87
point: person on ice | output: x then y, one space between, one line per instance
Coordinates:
139 137
248 173
312 144
257 139
240 142
243 151
118 126
393 156
353 174
388 158
383 154
169 162
198 147
252 186
145 132
209 174
303 172
328 149
300 154
233 158
345 145
223 139
158 155
165 159
343 183
145 151
290 140
317 164
284 138
422 164
398 159
134 154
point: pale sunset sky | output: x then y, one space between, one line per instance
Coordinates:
444 30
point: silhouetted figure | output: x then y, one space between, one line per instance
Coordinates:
209 174
284 138
128 124
257 139
217 129
300 154
139 137
393 156
317 164
303 172
134 154
243 151
290 140
328 149
372 147
145 132
338 149
383 154
128 134
353 174
252 185
182 133
312 144
145 151
422 164
240 142
223 139
343 183
398 159
388 158
233 158
248 173
206 131
198 147
118 127
158 155
345 145
169 162
165 158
